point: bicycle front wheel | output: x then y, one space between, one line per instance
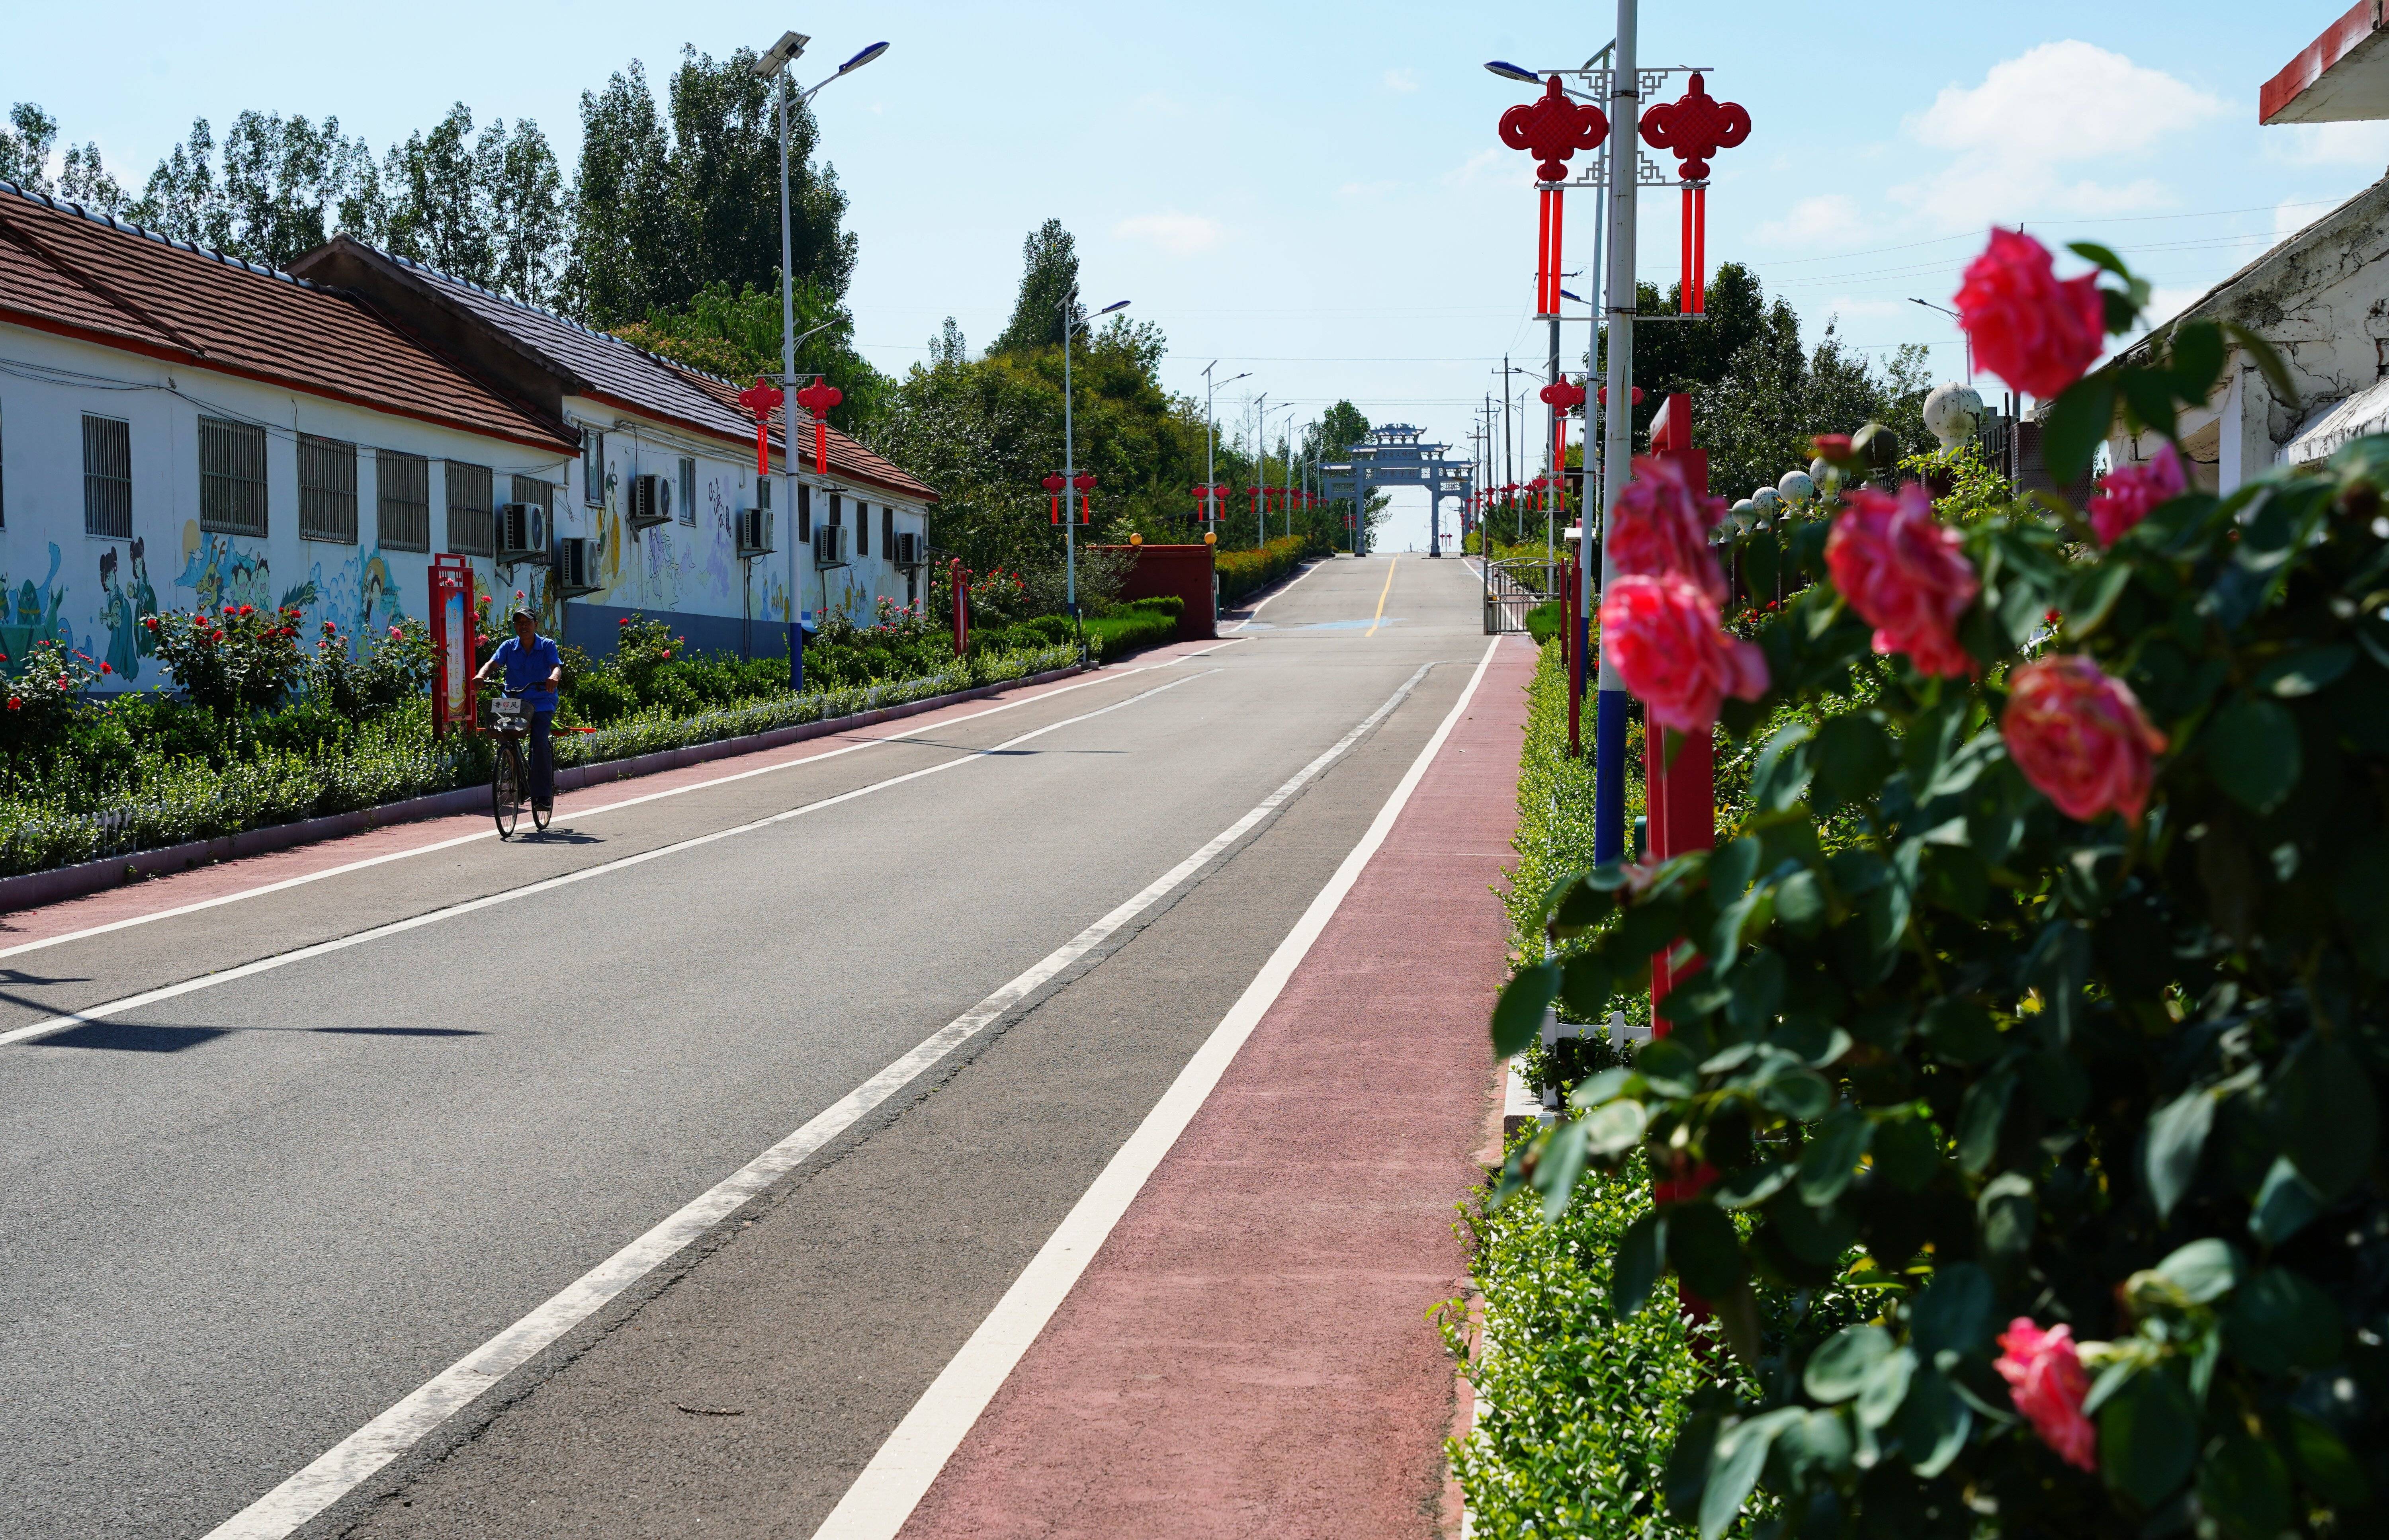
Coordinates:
505 788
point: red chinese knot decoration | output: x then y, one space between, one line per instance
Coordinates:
817 399
1054 485
1695 127
1551 128
759 399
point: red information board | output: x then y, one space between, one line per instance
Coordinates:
451 644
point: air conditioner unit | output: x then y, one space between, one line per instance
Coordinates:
576 566
909 551
522 532
754 531
650 501
829 545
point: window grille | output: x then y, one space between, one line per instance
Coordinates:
402 488
472 528
593 467
108 478
861 528
763 491
327 489
231 476
687 490
804 512
836 508
887 529
3 491
529 489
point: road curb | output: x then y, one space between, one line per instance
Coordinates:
31 889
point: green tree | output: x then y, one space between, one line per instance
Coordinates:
737 336
25 147
1049 277
275 188
665 209
1333 436
489 209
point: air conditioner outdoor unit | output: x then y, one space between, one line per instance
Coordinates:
908 551
754 531
829 545
522 532
576 566
650 501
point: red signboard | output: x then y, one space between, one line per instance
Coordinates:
451 644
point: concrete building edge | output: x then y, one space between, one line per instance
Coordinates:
31 889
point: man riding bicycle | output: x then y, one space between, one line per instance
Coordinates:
533 669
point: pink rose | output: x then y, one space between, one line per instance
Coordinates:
2128 493
1902 572
2047 1383
1662 630
2031 330
2079 736
1662 524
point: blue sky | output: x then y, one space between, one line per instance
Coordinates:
1314 192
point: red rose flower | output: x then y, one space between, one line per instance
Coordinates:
106 669
1662 524
1902 572
1662 630
1830 446
2079 736
245 610
2031 330
217 636
2047 1383
15 704
2130 493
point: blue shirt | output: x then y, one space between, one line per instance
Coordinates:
527 670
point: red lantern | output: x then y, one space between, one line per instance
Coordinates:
1551 128
1085 483
817 399
1695 126
1054 485
759 399
1563 396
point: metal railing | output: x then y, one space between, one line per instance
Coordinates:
1513 588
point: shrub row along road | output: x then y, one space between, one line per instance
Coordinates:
280 1199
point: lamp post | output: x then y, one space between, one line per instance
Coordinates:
1210 435
1069 466
1260 467
773 67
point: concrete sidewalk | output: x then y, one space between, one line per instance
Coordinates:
1252 1350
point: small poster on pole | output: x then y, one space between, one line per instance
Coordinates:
451 644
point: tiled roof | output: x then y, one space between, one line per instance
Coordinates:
65 270
613 369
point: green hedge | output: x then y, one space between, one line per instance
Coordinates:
1140 623
1242 572
171 801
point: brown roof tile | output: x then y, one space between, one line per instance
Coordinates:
65 270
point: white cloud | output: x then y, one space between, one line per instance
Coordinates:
1402 80
1179 235
1496 167
1365 189
2363 144
2019 133
1828 216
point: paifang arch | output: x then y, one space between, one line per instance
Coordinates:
1395 456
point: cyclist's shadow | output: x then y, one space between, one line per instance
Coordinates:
556 834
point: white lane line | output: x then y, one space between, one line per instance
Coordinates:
338 1469
52 1024
300 880
884 1495
1265 604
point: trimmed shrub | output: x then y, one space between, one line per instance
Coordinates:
1241 572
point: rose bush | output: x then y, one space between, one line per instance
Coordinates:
2056 984
235 660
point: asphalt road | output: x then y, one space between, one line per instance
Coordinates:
240 1222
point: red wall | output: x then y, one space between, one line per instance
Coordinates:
1184 570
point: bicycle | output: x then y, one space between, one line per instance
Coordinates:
510 721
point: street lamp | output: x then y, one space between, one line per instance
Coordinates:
774 66
1070 466
1210 467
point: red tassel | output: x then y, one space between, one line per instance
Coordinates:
821 446
1700 250
762 454
1542 250
1558 207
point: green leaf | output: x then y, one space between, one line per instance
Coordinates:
1638 1263
2280 1322
1798 1092
1980 1115
1886 1388
1956 1313
1839 1369
2078 424
2326 1465
1581 907
1961 1031
1782 773
1668 1067
2205 1270
2306 671
2149 394
1800 902
2177 1133
1905 1152
2148 1435
1853 757
1703 1248
2285 1205
1739 1456
1932 1423
1753 1185
2245 1487
1614 1127
1816 1234
2252 747
2095 596
2005 1212
2329 1121
1519 1015
1561 1164
2197 358
2091 251
1833 1156
1588 984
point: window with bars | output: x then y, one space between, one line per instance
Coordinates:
3 482
836 508
472 526
529 489
863 528
231 476
402 491
593 467
887 529
327 489
687 490
763 491
804 512
108 478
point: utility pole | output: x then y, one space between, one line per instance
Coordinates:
1610 700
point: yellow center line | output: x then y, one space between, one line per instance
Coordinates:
1380 618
